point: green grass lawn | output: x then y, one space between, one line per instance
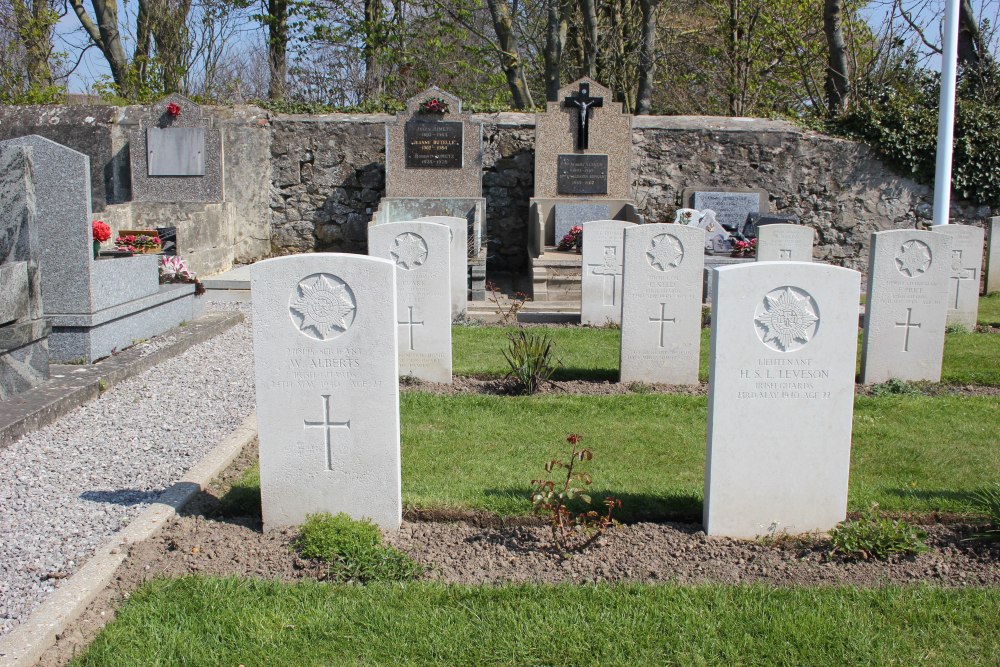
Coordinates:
909 453
989 309
592 354
208 621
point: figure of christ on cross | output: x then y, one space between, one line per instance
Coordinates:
960 273
609 268
327 425
410 323
908 324
583 103
662 320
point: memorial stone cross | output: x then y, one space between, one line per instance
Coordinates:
583 102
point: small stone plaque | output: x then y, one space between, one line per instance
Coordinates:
731 208
433 145
175 151
582 175
569 216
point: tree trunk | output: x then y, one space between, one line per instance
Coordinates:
589 10
143 43
971 50
837 81
647 58
374 42
34 27
277 47
105 36
553 49
510 57
168 24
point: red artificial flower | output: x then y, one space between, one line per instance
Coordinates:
174 109
573 438
101 231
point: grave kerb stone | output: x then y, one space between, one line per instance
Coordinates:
781 398
661 304
325 363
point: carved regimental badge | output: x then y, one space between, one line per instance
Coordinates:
787 319
913 258
409 251
322 306
665 252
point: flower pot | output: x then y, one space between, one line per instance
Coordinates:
97 248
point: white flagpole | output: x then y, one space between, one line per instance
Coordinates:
946 114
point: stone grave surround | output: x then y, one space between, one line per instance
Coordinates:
176 159
24 347
420 251
731 205
661 304
781 398
781 242
601 282
458 252
906 306
993 257
325 345
95 307
598 175
434 167
963 283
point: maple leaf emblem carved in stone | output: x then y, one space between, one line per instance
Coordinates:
325 304
409 251
665 252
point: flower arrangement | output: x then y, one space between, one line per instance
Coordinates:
175 270
174 109
101 234
573 240
144 243
434 105
745 248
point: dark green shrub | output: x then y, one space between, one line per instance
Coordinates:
875 536
353 550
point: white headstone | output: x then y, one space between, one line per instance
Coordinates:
324 332
420 251
789 243
601 284
459 254
781 398
993 257
687 216
905 306
963 283
661 304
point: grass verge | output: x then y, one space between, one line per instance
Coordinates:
208 621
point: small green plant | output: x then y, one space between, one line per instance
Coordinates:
409 380
506 310
353 550
102 386
611 324
988 502
531 358
571 530
956 328
639 388
874 536
894 387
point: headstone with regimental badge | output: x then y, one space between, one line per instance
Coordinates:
906 306
966 263
601 282
781 398
324 331
420 251
661 304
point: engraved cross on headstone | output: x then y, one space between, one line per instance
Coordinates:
327 425
610 268
410 324
908 324
960 273
583 102
662 319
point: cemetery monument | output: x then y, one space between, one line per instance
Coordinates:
601 285
784 242
966 263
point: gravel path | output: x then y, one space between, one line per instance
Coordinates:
68 487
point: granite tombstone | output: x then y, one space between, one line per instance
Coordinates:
781 398
420 251
661 304
325 343
730 205
906 306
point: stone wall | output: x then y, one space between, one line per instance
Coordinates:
310 183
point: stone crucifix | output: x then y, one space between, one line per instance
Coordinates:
583 103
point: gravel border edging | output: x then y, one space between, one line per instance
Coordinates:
24 645
38 407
